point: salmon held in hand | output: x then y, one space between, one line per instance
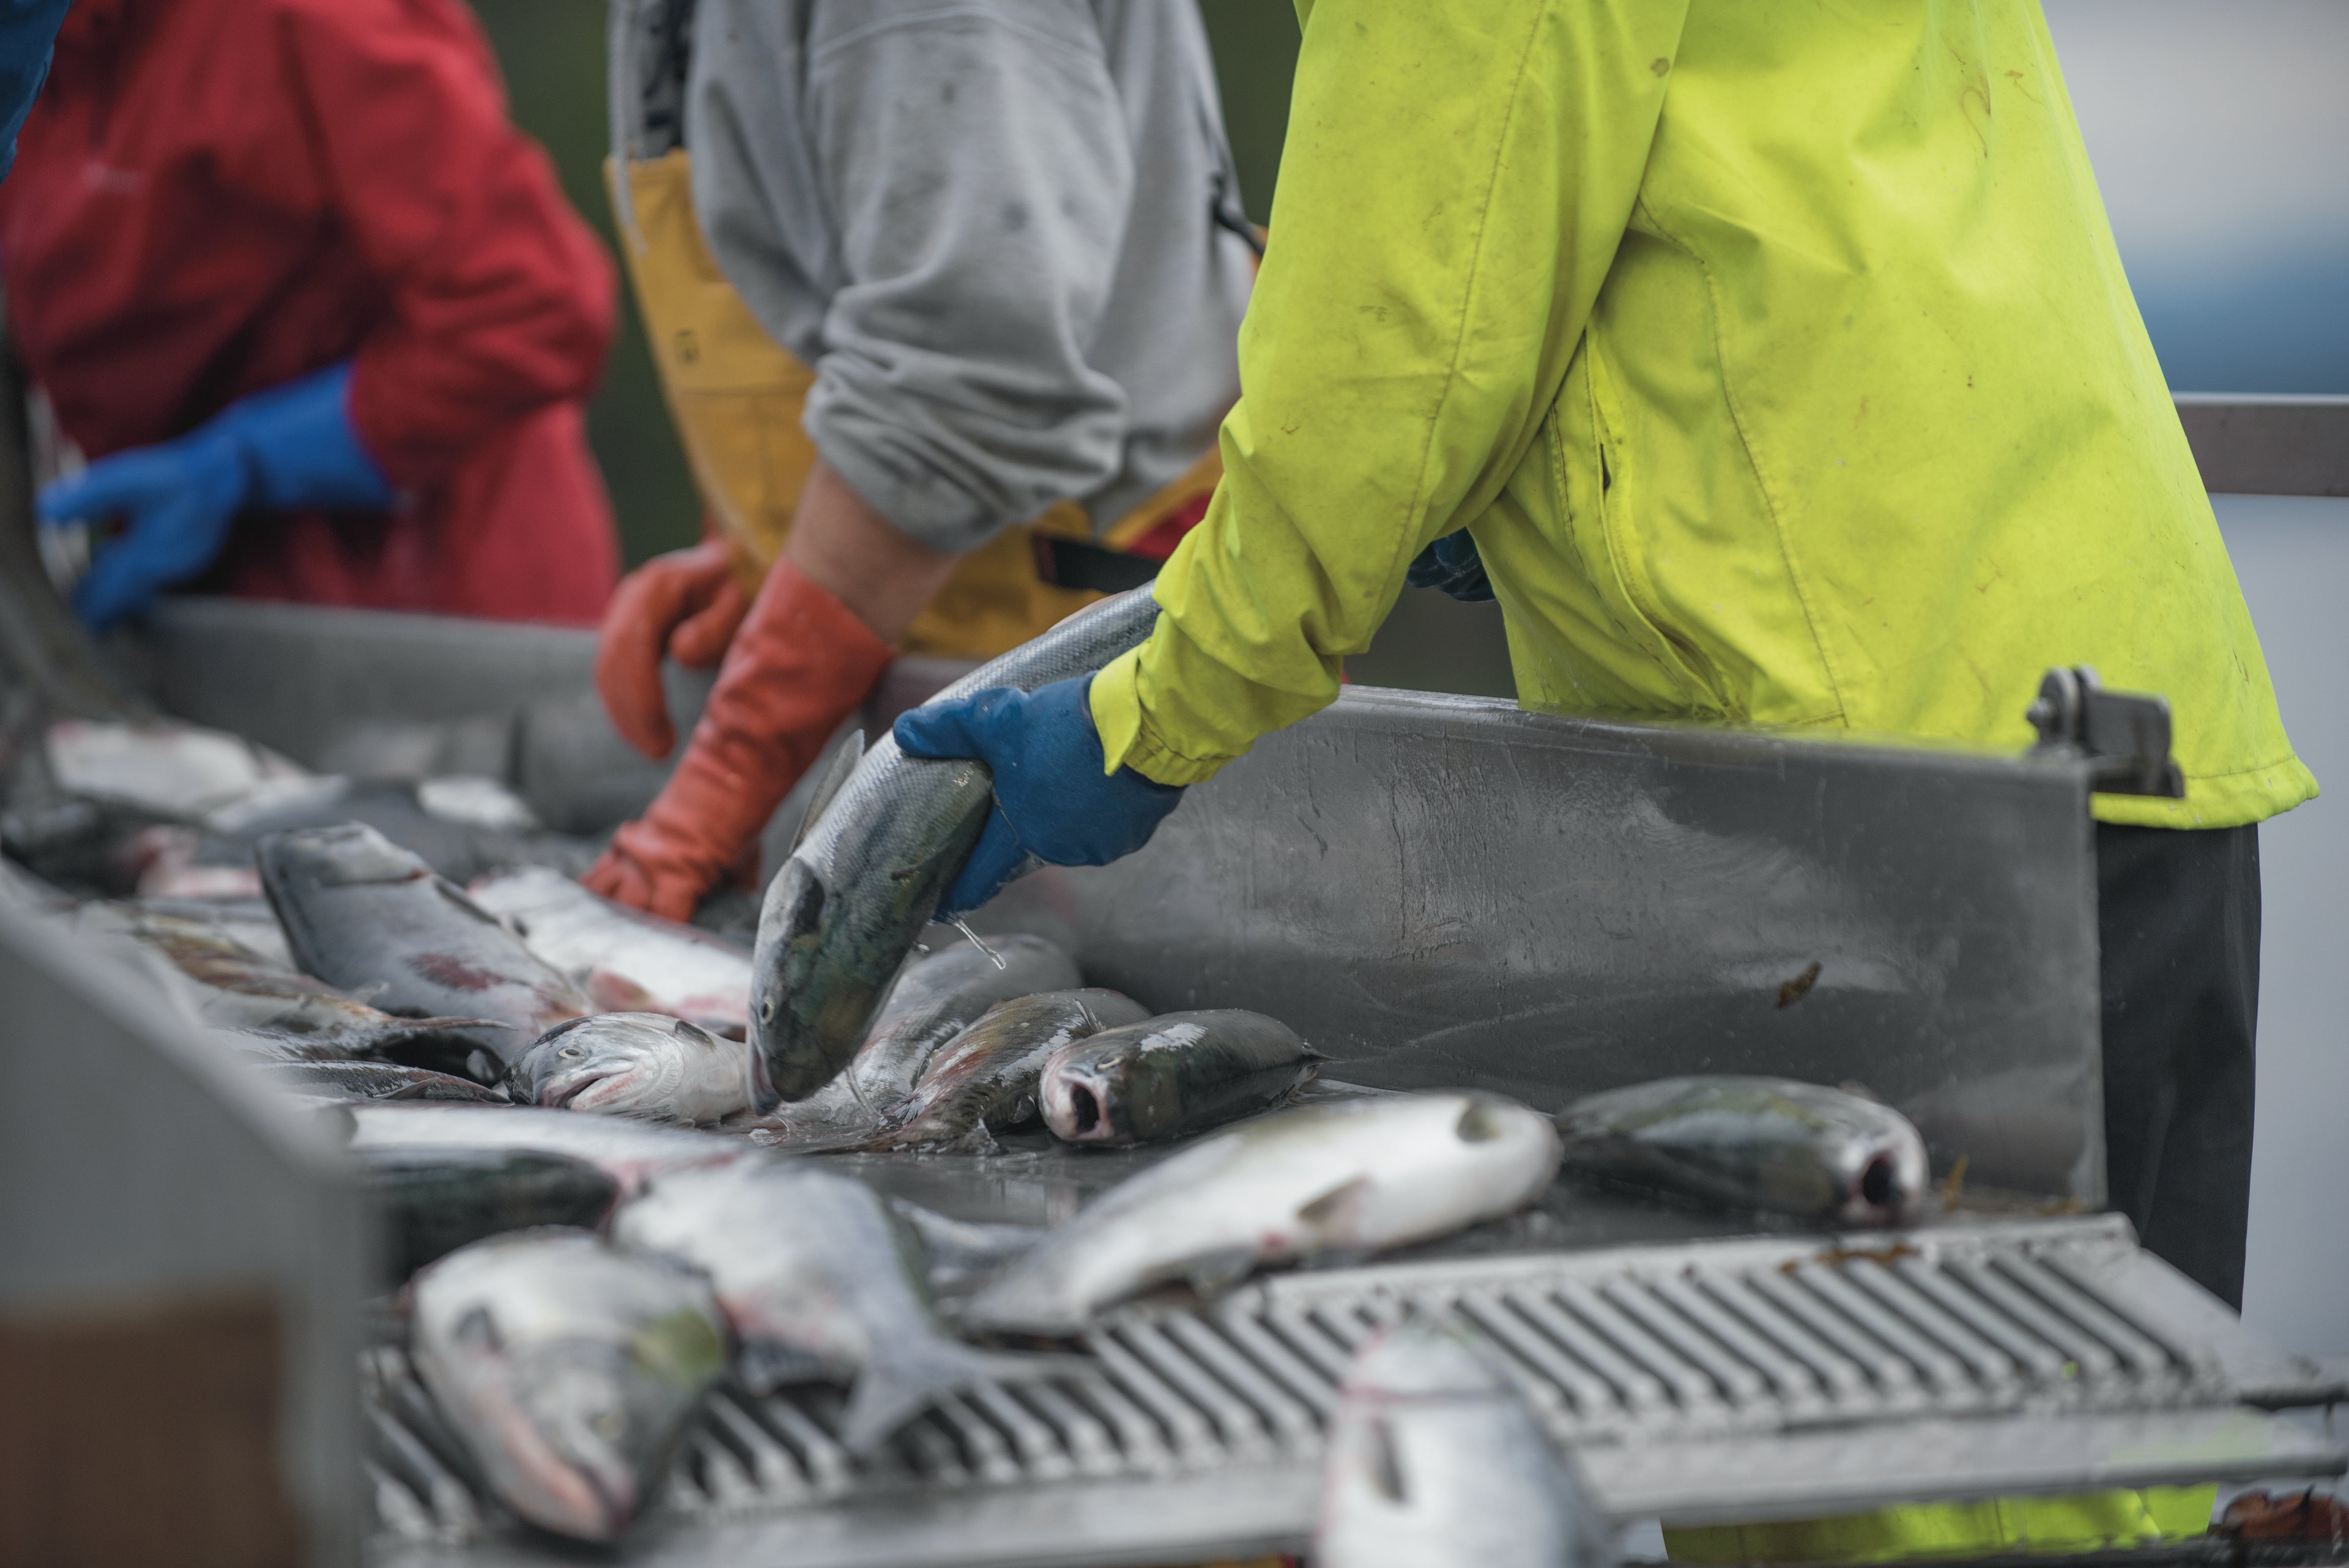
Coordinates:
884 847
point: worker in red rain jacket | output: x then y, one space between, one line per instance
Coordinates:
315 308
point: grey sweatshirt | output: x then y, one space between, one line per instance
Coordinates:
990 226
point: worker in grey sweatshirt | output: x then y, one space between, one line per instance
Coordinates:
945 296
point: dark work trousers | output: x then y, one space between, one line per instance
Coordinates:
2179 918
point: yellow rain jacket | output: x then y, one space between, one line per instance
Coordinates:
1777 358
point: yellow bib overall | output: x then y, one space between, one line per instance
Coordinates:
737 395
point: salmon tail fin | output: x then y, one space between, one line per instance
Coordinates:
891 1392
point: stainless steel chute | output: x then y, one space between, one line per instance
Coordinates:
1792 1377
1435 891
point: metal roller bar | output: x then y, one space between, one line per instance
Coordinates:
1768 1378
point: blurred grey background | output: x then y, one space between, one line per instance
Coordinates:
2220 136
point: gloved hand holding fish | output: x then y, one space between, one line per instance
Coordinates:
846 907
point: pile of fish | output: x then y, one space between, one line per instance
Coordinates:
569 1357
593 1134
169 810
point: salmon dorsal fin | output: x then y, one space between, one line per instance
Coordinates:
1334 1210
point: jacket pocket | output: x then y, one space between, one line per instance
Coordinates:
1598 475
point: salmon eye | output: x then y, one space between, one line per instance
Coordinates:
767 1011
1876 1183
1477 1124
571 1053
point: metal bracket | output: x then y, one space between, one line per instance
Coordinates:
2124 736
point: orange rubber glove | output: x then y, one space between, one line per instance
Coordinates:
685 604
800 664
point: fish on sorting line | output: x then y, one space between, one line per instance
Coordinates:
819 1280
984 1081
1435 1461
163 766
568 1367
434 1200
1176 1074
846 907
630 1152
625 959
362 913
647 1064
235 988
248 921
1343 1178
365 1081
958 1254
1768 1143
937 996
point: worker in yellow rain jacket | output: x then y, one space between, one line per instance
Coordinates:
1772 365
944 300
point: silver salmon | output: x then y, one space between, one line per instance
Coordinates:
845 908
1435 1461
635 1065
626 960
984 1080
357 1081
435 1201
820 1281
233 986
1346 1177
937 998
1178 1073
630 1152
1767 1144
568 1367
361 913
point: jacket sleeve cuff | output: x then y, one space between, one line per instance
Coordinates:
1127 736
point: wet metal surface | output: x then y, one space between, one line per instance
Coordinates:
1446 891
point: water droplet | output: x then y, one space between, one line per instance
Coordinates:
992 956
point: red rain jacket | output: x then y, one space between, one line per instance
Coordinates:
215 196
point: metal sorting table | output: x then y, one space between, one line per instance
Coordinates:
1786 1378
1435 891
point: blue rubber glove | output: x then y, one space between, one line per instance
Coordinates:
1453 565
1052 800
287 448
27 29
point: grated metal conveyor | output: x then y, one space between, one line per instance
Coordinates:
1782 1377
